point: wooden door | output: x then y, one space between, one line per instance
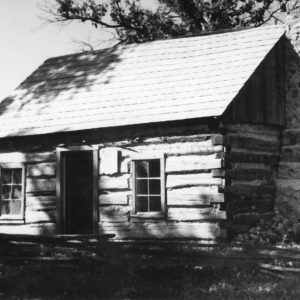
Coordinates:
78 192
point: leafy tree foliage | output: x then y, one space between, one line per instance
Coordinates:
170 18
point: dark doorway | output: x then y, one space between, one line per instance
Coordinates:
78 192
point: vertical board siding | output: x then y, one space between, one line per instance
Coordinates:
261 100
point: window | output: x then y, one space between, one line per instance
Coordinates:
148 185
12 192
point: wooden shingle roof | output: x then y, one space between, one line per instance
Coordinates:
165 80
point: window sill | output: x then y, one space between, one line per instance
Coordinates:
12 220
147 216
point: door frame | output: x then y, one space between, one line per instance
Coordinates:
60 186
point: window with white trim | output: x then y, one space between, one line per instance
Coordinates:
12 191
148 185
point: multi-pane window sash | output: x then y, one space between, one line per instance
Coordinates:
11 191
148 185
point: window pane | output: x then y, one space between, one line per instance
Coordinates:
142 204
5 207
154 185
17 192
142 168
6 176
154 168
155 204
6 191
15 207
17 175
142 186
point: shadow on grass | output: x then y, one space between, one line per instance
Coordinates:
86 280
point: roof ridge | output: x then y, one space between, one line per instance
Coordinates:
207 33
221 31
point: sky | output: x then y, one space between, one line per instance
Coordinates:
25 40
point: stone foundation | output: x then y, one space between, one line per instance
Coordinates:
288 182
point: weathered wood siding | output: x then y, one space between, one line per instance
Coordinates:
194 165
262 99
40 198
194 203
212 180
251 169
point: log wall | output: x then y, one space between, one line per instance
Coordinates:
194 165
212 181
193 180
40 197
251 169
206 174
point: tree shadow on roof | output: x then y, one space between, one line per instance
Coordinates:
59 82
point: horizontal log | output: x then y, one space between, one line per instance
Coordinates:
250 198
42 208
253 183
40 185
251 143
186 180
115 198
256 136
40 216
249 166
33 200
163 230
34 229
115 182
262 204
192 163
252 128
20 157
41 202
221 173
240 155
195 214
250 174
178 138
250 189
114 213
163 132
42 169
194 196
204 147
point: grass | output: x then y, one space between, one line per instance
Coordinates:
87 280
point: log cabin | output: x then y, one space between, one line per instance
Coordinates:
176 138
